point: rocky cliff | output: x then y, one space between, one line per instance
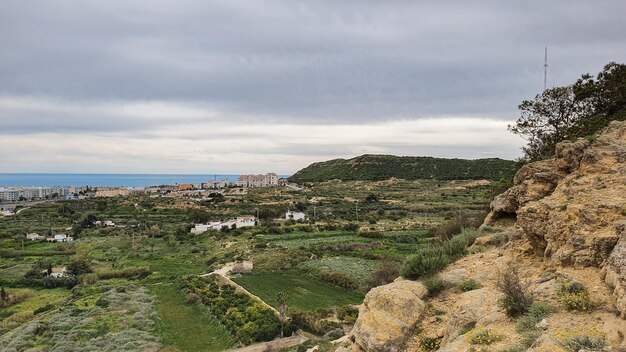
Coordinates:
569 216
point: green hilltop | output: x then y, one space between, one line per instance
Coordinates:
381 167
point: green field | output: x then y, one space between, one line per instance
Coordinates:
187 327
304 292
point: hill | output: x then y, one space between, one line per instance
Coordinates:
382 167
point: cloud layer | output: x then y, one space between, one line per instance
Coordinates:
238 86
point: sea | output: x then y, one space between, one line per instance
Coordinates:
107 180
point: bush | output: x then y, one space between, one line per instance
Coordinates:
455 247
429 343
386 273
516 300
348 314
469 285
536 312
127 273
371 234
423 263
338 279
574 296
435 286
192 298
79 267
43 309
89 279
334 334
584 342
482 336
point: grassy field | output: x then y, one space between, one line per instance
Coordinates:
304 292
187 327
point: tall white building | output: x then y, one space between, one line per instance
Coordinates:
267 180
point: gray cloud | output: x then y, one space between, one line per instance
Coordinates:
77 66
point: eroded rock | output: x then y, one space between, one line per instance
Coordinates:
388 315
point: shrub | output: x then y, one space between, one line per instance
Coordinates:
536 312
435 286
429 343
423 263
79 267
455 247
386 273
43 309
574 296
192 298
371 234
482 336
127 273
348 314
516 300
334 334
589 340
338 279
89 279
469 285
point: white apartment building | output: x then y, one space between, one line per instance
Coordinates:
267 180
14 194
215 184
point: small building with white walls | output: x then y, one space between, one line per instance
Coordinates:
294 215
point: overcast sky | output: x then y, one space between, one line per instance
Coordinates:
256 86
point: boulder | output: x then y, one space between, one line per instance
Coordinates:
477 307
388 315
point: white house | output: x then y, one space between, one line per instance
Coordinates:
240 221
61 237
294 215
7 213
58 272
108 223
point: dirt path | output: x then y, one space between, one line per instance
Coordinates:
223 271
275 345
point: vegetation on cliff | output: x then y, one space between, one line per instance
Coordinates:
567 113
382 167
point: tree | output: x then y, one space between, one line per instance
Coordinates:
546 120
281 300
571 112
79 267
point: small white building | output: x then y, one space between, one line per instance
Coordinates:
7 213
61 237
108 223
58 272
294 215
240 221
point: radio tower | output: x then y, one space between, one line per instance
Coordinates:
545 70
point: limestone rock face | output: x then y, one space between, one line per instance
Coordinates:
388 314
572 209
477 307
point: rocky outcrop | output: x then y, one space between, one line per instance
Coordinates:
572 209
388 315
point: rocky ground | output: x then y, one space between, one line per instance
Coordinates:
562 224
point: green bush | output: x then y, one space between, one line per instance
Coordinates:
429 343
371 234
348 314
574 296
455 247
469 285
435 285
483 336
423 263
536 312
127 273
584 342
338 279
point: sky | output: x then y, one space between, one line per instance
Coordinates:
151 86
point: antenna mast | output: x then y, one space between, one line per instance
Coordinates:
545 70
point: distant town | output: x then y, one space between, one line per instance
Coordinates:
10 196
